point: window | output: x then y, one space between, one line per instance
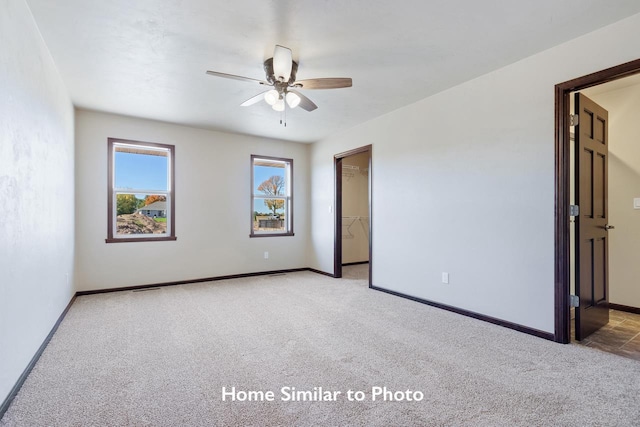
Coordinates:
141 196
271 196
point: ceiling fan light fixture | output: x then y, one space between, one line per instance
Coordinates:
279 105
292 99
280 72
271 97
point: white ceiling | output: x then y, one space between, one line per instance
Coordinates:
147 58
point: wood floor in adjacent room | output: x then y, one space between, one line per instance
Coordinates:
620 336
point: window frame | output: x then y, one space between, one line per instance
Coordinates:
112 191
287 197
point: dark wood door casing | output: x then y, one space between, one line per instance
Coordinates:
562 178
337 242
591 154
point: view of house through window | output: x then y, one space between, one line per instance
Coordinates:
140 196
271 196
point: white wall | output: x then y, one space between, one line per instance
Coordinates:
212 206
624 185
36 192
355 204
471 173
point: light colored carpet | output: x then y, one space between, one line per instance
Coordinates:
161 358
356 272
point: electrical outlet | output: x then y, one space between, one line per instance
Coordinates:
266 255
445 277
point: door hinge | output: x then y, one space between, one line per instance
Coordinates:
574 210
574 120
574 301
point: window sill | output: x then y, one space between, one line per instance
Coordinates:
140 239
272 235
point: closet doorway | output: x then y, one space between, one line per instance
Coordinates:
352 243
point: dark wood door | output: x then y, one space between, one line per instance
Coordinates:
592 253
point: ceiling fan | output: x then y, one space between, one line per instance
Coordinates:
281 73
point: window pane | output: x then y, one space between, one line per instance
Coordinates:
141 214
271 189
140 193
143 171
269 214
269 180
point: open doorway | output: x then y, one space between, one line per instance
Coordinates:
352 244
616 91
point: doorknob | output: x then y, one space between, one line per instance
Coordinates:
609 227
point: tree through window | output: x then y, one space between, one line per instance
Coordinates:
271 196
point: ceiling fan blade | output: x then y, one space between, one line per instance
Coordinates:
305 103
282 62
234 77
327 83
254 99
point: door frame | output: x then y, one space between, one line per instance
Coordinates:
337 241
562 321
